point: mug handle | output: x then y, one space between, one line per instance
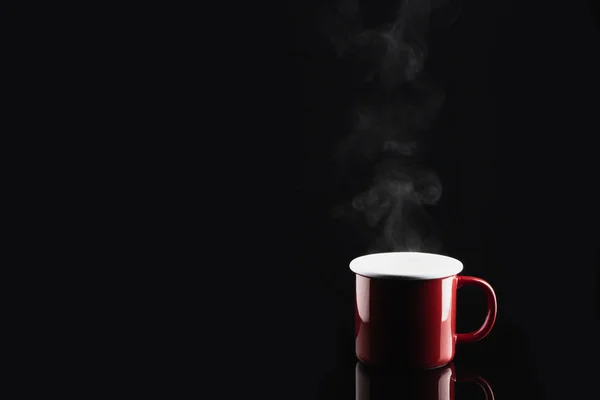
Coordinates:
490 319
482 383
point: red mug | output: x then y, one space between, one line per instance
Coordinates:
405 309
438 384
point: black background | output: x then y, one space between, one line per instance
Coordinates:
235 192
235 112
249 106
515 149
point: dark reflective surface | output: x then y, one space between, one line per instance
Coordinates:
446 383
436 384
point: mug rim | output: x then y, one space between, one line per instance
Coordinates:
416 265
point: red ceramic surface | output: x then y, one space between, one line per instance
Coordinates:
412 323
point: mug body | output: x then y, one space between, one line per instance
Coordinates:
406 323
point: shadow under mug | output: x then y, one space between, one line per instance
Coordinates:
405 309
438 384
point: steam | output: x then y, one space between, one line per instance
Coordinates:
395 105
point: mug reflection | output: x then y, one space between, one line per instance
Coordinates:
437 384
